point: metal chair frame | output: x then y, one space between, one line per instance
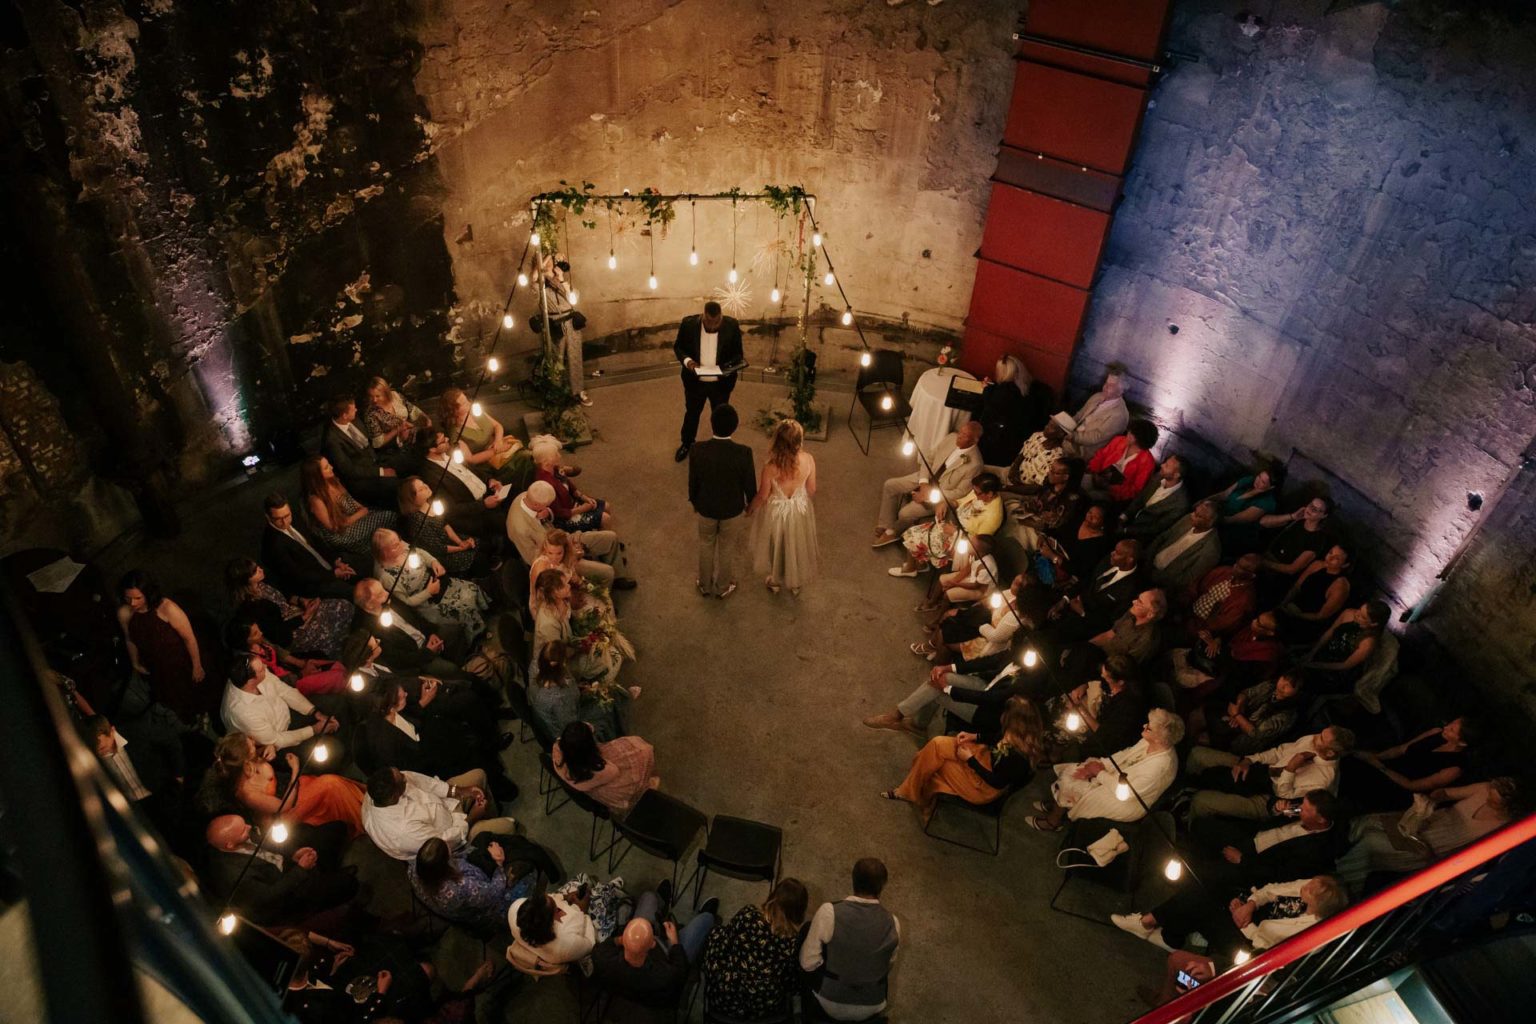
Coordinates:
993 810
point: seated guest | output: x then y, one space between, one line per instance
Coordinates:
392 423
850 947
528 523
423 583
473 507
1086 789
1120 469
404 809
407 643
152 776
443 745
553 928
452 885
1223 600
1012 405
1229 786
1111 707
435 535
1339 657
1455 817
1258 718
1137 634
1056 506
650 972
1305 538
931 544
749 964
1187 550
247 779
315 625
1389 779
557 701
488 449
337 517
1073 553
1093 603
564 551
595 656
997 673
310 676
266 885
1245 502
616 774
1253 653
970 636
298 565
1028 472
904 500
571 509
380 979
1162 502
266 708
347 449
1317 597
162 648
1102 417
977 769
971 576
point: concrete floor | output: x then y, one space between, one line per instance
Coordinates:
753 705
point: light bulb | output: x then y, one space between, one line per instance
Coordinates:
693 257
436 508
962 546
1122 789
475 408
321 753
1241 957
934 494
1031 657
522 280
386 618
278 833
458 456
413 560
1074 721
533 239
652 282
493 364
573 296
613 262
773 296
732 276
1173 870
908 447
357 682
227 924
815 237
865 358
507 322
847 318
996 600
887 403
828 279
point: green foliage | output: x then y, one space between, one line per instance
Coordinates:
802 390
784 201
657 210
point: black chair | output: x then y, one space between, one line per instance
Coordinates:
882 379
528 726
572 795
662 826
993 810
740 848
1121 875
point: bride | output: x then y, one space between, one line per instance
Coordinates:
785 533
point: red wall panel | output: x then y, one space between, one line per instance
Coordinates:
1132 28
983 348
1031 309
1073 117
1044 235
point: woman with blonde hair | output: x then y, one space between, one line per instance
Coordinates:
977 769
571 509
244 773
426 585
340 519
784 537
749 965
392 423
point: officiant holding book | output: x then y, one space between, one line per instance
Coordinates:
709 349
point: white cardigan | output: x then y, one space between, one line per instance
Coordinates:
1149 772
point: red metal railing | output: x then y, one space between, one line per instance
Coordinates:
1363 913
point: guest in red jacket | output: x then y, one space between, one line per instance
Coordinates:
1123 466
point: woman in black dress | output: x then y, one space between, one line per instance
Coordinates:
1388 780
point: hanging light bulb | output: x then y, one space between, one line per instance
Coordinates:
278 833
1123 789
533 239
693 257
493 364
934 494
652 282
816 238
1173 870
475 408
773 296
847 317
828 279
436 508
887 403
321 753
865 358
357 682
507 322
908 447
413 561
386 618
458 456
1241 957
574 295
227 924
1073 722
1031 657
962 546
732 276
613 262
522 280
996 601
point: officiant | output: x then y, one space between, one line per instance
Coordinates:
709 349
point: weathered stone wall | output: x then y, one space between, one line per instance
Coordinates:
1336 208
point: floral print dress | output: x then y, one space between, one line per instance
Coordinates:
749 970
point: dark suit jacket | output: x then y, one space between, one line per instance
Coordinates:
687 344
267 894
154 747
1312 853
294 571
1145 522
350 460
1104 606
396 648
721 478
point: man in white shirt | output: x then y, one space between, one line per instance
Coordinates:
263 707
1244 787
404 809
1186 550
850 947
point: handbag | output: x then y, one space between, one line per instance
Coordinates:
1102 850
578 319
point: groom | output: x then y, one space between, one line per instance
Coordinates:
721 483
712 340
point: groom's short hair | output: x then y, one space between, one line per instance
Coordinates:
711 308
723 420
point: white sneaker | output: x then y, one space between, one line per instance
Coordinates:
1156 938
1132 923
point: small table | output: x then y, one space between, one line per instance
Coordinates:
931 420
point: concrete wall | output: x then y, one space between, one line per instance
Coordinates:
1334 208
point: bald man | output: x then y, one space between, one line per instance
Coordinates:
528 520
409 644
285 883
644 970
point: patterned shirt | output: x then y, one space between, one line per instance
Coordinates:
1034 461
749 970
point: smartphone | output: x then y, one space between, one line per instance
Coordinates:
1186 981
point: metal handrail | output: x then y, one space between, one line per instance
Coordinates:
1367 911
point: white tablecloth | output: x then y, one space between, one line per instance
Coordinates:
931 421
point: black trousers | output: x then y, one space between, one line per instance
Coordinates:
695 393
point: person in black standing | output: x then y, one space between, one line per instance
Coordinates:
711 340
722 481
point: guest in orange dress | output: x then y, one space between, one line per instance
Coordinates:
976 769
247 773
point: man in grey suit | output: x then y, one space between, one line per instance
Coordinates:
904 500
1161 503
1186 550
528 521
721 483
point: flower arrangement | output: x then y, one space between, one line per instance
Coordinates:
947 355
